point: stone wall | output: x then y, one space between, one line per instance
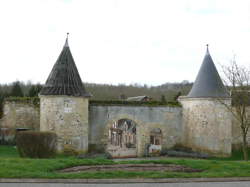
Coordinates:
207 125
68 118
21 114
168 119
195 132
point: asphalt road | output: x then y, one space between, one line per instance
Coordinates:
196 184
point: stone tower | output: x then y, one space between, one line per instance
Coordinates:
64 103
206 121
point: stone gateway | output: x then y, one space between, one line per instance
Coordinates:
202 123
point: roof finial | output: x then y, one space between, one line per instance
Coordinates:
66 43
207 48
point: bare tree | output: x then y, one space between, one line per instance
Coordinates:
237 79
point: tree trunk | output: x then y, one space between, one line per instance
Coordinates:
245 147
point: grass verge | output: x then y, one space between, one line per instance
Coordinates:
11 166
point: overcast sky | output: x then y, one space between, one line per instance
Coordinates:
121 41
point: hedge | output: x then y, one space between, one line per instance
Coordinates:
35 144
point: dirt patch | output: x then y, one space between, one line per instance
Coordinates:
132 167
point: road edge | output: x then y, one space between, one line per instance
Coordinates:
112 181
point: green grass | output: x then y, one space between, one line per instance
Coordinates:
236 155
8 152
12 166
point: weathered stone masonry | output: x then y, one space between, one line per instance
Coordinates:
172 121
91 125
207 125
20 114
68 117
64 103
168 119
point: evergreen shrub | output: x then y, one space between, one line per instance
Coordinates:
35 144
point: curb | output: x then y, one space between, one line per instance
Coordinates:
123 181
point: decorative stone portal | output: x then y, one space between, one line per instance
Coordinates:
122 139
155 141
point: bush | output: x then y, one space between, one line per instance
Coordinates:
105 155
36 144
96 148
69 150
186 154
180 147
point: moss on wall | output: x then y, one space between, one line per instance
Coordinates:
36 101
134 103
30 100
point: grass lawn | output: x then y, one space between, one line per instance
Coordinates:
12 166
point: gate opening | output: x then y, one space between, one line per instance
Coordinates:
122 139
155 142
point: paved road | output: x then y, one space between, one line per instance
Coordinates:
196 184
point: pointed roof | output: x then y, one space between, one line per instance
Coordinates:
64 78
208 82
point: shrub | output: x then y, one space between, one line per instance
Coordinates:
7 136
69 150
96 148
36 144
105 155
180 147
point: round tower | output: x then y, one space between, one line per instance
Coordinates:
206 120
64 103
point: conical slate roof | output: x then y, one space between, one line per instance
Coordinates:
64 78
208 82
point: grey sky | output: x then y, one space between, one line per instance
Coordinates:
121 41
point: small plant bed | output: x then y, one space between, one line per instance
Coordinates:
132 167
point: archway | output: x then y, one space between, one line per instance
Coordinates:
122 139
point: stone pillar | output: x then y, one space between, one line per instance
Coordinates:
67 116
142 140
207 125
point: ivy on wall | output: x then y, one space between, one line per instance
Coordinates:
135 103
36 101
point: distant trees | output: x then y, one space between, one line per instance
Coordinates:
34 90
20 89
177 95
105 91
16 90
2 96
114 92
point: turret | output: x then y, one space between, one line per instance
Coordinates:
64 103
206 119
